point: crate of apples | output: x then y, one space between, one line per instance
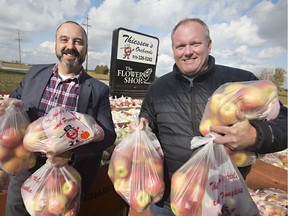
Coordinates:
137 175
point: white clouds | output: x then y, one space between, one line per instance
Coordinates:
244 33
271 52
271 20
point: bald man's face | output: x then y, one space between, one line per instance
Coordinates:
71 46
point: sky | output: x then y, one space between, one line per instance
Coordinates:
248 34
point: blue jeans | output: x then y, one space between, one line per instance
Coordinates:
161 211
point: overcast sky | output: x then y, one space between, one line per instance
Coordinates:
250 34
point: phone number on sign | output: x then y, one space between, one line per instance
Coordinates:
142 58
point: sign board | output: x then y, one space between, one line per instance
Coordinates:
133 62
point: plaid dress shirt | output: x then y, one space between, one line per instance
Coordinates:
59 92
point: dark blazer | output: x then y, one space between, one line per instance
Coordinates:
93 100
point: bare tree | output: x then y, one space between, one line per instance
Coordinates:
275 75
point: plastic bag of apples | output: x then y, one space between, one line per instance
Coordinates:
209 184
52 191
14 158
61 130
256 99
136 169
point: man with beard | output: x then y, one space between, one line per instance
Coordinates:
64 84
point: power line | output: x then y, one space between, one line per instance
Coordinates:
19 46
87 26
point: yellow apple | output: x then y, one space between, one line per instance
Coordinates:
122 166
239 157
227 113
267 87
178 181
215 102
5 153
13 165
122 186
206 123
139 200
232 87
21 152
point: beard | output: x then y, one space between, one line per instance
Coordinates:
71 64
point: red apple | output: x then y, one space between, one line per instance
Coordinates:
5 153
57 203
139 200
154 185
227 113
70 188
188 201
10 137
196 192
252 99
122 166
139 153
54 181
155 166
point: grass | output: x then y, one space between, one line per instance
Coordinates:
10 80
15 65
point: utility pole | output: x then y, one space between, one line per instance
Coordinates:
87 26
19 45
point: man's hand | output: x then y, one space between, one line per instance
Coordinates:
238 136
6 102
60 159
138 125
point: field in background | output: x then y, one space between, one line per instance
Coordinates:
10 80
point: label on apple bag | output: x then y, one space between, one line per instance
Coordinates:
226 194
65 129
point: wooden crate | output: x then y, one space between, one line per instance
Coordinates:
103 200
2 203
264 175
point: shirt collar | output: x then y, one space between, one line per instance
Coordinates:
77 77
